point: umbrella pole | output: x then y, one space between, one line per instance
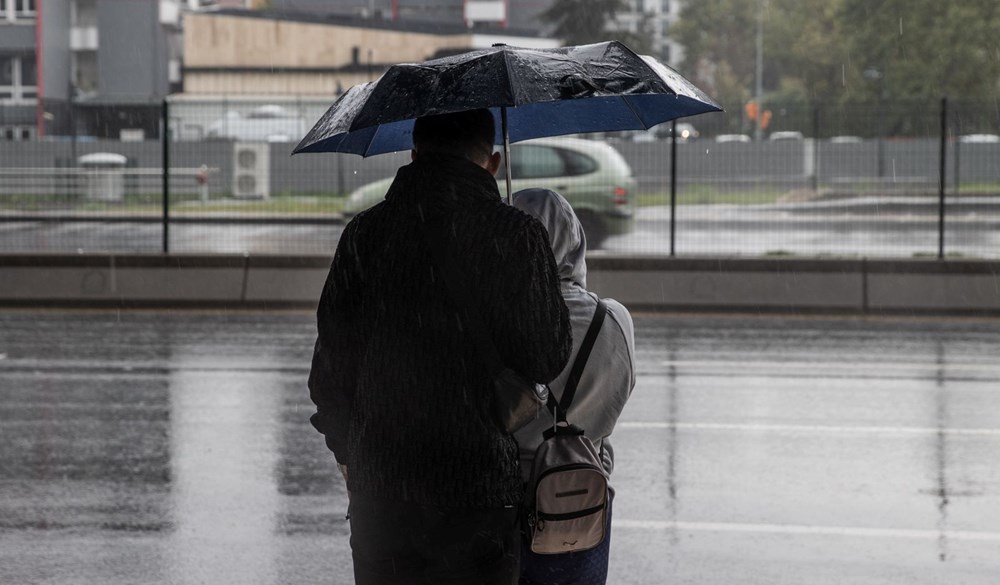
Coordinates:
506 149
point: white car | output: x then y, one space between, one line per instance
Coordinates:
786 135
845 139
685 133
979 139
269 123
724 138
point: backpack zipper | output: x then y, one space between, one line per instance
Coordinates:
542 516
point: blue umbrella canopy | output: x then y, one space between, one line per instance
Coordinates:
536 92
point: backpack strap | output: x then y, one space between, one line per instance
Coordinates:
560 408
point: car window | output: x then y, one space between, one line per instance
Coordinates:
577 163
536 162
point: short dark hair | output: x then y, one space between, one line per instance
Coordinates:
469 134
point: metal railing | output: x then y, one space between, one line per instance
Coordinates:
221 176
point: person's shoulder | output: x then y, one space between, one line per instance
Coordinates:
374 215
514 222
619 313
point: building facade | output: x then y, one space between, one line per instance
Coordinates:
654 18
264 53
18 69
86 67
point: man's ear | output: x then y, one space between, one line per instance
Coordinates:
493 163
413 154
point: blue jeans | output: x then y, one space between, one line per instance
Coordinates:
589 567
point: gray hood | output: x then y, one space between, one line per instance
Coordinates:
609 377
569 243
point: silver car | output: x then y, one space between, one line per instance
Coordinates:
591 175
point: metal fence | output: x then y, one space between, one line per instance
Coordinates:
888 180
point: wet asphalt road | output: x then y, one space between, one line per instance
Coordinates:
701 229
174 448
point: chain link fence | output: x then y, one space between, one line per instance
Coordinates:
877 180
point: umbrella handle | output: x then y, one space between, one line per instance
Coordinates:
506 149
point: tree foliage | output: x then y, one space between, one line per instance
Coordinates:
843 51
579 22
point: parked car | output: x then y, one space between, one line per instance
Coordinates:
979 139
269 123
685 132
846 139
785 135
724 138
591 175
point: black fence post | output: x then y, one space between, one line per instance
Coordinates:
673 186
165 147
815 152
942 175
957 180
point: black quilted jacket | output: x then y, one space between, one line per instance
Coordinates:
401 392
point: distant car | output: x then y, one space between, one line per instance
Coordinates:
724 138
644 135
269 123
979 138
590 174
685 132
845 139
785 135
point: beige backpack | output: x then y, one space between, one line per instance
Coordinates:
567 496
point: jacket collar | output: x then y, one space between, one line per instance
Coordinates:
440 180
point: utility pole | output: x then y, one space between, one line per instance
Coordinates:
759 69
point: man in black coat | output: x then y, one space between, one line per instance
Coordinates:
402 394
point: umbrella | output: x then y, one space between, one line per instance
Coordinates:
536 92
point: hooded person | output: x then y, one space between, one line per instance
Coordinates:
605 384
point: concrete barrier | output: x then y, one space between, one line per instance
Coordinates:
966 287
732 284
652 283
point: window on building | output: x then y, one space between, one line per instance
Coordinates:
18 78
83 13
15 9
11 133
6 76
29 78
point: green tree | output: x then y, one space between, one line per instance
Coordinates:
923 49
578 22
718 41
868 58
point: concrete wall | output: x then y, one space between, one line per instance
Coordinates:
778 285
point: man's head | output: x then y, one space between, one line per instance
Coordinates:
468 134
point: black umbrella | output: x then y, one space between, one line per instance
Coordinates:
536 92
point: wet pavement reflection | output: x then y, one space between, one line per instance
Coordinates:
174 447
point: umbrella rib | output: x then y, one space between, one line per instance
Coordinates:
368 147
624 98
506 70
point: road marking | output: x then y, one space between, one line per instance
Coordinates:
794 529
857 370
768 428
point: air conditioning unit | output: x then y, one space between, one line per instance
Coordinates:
251 170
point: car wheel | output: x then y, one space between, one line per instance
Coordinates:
593 228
